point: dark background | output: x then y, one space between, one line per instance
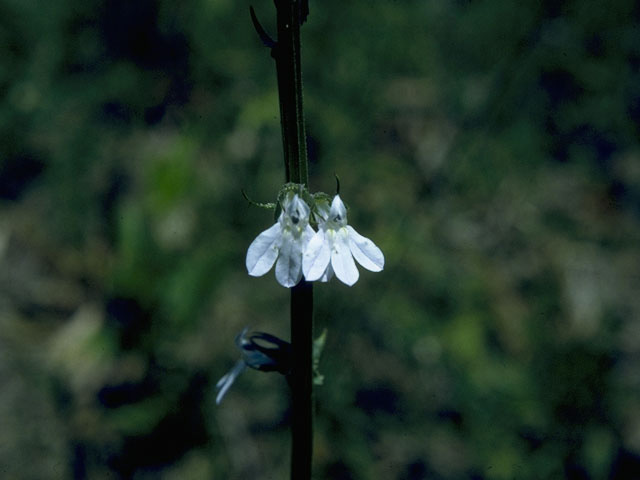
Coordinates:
490 148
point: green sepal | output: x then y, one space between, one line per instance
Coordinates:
268 206
297 188
311 199
320 198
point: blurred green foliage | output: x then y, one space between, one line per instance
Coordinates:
489 147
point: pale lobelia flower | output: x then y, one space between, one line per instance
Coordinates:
260 351
334 246
284 241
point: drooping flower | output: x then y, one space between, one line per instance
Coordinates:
260 351
334 246
285 242
224 384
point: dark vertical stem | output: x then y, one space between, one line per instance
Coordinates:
287 56
301 381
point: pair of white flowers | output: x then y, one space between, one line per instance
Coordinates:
297 249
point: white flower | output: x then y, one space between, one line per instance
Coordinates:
334 246
284 241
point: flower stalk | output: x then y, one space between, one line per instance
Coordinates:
292 245
286 53
296 249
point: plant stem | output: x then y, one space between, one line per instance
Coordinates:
287 57
301 380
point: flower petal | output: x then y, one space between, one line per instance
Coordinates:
227 380
295 214
299 209
338 212
307 235
328 274
341 259
322 213
289 264
263 251
365 251
316 257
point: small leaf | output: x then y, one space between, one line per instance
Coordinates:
304 11
318 347
267 41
